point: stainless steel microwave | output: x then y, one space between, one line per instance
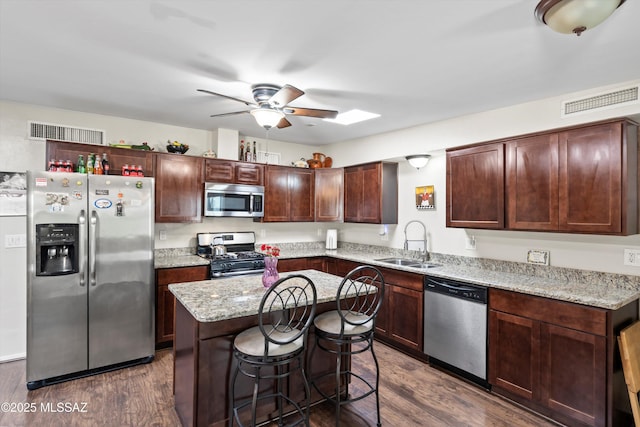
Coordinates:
236 200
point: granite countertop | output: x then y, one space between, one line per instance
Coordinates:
239 296
595 289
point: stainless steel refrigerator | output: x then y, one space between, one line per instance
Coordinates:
90 279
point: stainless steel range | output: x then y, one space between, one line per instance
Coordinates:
231 254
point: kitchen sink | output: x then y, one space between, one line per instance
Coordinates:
408 262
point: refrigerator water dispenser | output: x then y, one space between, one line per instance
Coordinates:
56 249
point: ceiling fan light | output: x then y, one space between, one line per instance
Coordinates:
575 16
418 160
266 117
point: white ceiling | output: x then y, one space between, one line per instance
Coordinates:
412 61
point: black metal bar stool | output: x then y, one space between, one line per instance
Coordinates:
349 330
268 351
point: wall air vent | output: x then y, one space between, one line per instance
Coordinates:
602 101
44 131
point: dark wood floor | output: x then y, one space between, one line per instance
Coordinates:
411 393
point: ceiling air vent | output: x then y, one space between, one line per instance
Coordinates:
600 102
44 131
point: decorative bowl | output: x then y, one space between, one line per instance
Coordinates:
177 148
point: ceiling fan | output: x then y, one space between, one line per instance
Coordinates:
271 105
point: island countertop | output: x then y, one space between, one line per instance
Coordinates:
238 296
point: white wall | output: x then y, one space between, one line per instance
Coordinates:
600 253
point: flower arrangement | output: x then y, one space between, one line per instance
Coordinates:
272 251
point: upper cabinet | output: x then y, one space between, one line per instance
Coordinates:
229 171
289 194
475 187
118 157
179 188
371 193
576 180
329 188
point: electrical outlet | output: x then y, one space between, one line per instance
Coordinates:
163 234
632 257
263 233
319 232
15 241
470 243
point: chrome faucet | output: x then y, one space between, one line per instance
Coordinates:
425 253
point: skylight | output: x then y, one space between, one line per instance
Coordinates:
353 116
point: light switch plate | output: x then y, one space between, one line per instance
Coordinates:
538 257
15 241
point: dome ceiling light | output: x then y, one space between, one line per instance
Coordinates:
418 160
575 16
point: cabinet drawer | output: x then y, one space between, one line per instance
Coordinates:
166 276
403 279
588 319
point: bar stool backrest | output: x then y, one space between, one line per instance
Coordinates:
287 310
360 296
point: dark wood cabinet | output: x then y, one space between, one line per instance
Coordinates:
118 157
582 179
229 171
165 301
179 188
289 194
400 320
532 183
598 179
371 193
329 194
475 187
556 357
294 264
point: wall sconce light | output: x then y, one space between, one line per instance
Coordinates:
575 16
418 160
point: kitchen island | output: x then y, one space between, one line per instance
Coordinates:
209 314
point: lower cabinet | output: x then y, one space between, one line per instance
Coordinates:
557 358
294 264
400 319
165 300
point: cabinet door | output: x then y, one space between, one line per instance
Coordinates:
383 318
329 195
371 200
276 196
249 173
573 373
406 317
514 360
219 170
165 301
353 191
591 179
179 188
301 195
532 183
475 187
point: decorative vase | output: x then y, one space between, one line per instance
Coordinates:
270 275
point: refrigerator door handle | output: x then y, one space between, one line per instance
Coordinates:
92 248
82 220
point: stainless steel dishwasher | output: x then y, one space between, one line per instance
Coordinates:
455 327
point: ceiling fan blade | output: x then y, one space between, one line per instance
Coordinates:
311 112
283 123
228 97
228 114
285 95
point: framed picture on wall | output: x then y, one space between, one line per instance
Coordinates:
425 197
13 193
